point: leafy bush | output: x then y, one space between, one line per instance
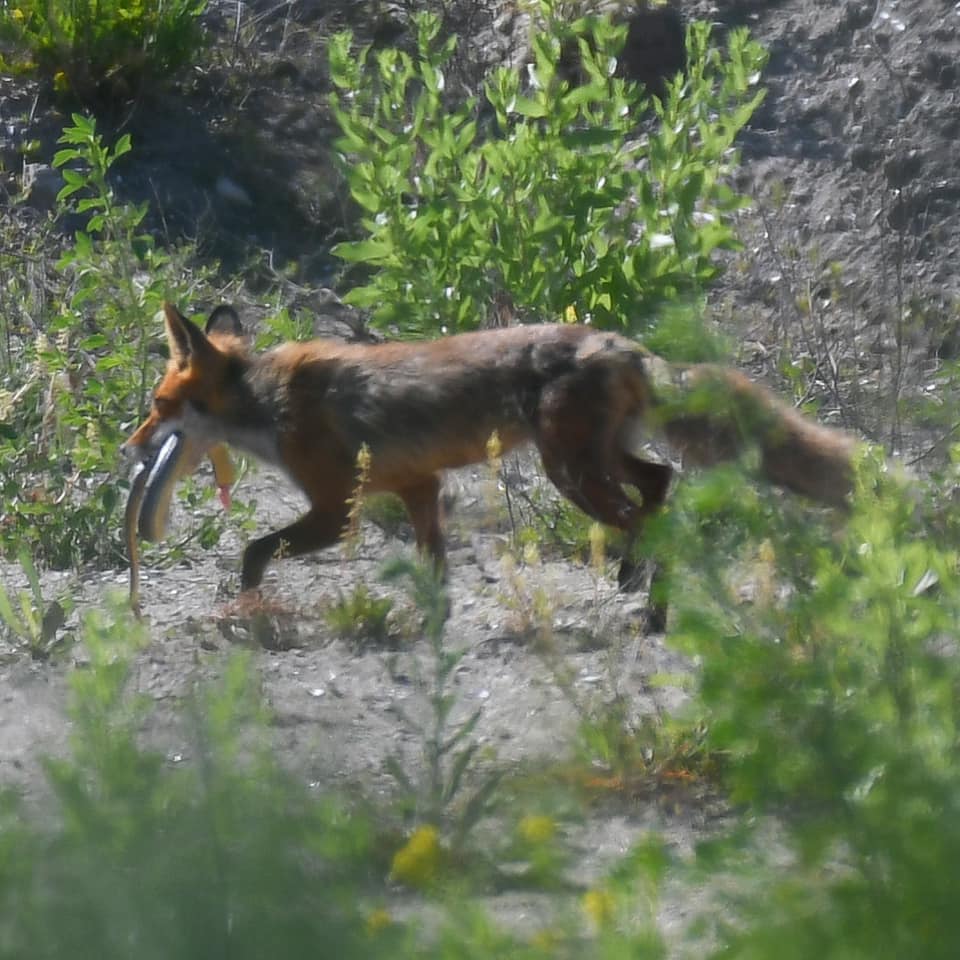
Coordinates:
220 856
556 205
95 49
83 382
221 853
832 694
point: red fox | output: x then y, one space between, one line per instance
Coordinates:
584 397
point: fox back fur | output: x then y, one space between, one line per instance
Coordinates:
586 398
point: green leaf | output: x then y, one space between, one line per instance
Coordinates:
530 108
65 156
351 140
394 767
69 190
30 570
480 802
363 297
461 763
122 146
13 622
29 617
363 251
590 137
462 732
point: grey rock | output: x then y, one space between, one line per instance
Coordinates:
41 184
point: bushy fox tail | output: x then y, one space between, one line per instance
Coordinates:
711 414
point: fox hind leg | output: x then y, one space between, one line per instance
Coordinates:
578 439
652 480
584 467
597 494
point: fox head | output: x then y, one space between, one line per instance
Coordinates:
191 392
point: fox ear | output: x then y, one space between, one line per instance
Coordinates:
185 338
224 320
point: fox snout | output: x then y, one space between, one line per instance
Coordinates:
140 449
133 452
144 443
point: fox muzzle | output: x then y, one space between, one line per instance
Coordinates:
152 488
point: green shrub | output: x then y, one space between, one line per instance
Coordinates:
831 691
220 855
282 325
81 385
218 851
101 49
558 207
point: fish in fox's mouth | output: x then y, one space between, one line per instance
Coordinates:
148 505
151 490
153 482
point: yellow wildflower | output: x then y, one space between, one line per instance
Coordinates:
537 829
599 906
417 861
546 940
378 920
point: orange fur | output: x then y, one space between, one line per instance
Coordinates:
579 394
